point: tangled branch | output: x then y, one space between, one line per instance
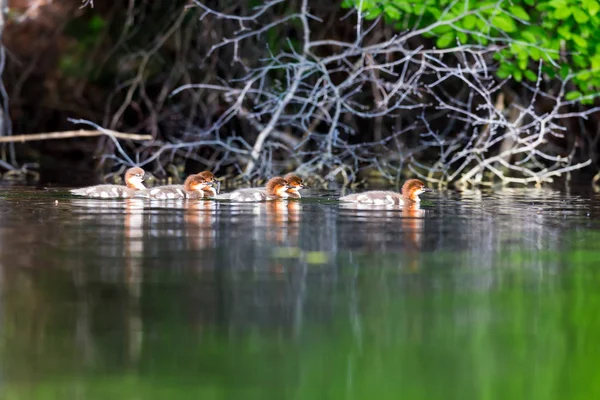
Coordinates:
308 111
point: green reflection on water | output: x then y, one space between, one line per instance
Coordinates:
427 326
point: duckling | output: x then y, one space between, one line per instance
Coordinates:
295 183
209 190
192 188
276 189
133 183
411 190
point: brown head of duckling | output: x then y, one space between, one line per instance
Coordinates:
134 178
195 183
295 183
277 187
211 180
412 188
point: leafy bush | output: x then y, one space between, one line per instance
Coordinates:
563 34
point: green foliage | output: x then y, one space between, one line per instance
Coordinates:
563 34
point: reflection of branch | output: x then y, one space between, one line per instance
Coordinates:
72 134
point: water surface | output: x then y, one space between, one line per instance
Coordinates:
473 295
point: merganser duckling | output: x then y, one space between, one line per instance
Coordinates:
295 183
411 190
209 190
192 188
276 189
133 183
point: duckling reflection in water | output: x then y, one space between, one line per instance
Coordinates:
283 221
388 225
200 218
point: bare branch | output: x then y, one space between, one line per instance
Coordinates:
72 134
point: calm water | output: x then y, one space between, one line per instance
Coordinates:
473 296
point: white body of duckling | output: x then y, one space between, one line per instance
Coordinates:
411 190
133 183
193 188
276 189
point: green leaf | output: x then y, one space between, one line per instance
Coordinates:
543 7
442 29
534 53
580 16
482 25
518 75
519 50
462 37
579 41
482 40
445 40
434 11
530 75
523 54
585 31
564 71
503 74
519 12
562 13
504 22
504 71
564 31
529 37
523 62
580 61
367 6
558 3
595 61
468 22
593 7
573 95
530 2
487 7
584 76
372 14
392 12
404 6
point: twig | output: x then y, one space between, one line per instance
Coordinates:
72 134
